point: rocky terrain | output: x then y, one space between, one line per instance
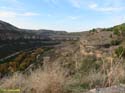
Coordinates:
94 63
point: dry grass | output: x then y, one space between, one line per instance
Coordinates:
50 80
55 79
107 75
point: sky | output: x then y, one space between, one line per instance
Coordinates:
69 15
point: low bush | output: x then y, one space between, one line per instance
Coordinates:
120 51
115 42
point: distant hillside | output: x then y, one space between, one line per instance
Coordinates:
14 39
4 26
8 31
117 27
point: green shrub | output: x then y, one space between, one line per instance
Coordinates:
116 32
89 63
93 30
115 42
120 51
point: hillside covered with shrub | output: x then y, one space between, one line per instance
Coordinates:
96 61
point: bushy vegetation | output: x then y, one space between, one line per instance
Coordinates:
53 78
93 30
119 30
12 46
120 51
115 42
21 61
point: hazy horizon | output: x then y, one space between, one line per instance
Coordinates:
66 15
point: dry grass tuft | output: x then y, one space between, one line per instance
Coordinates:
49 80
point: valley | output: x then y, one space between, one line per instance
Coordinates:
80 62
62 46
